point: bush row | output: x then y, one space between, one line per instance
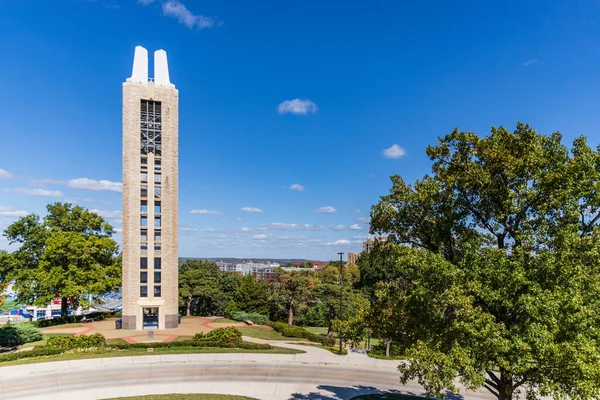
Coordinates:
71 319
37 352
67 342
189 343
228 335
298 332
243 316
12 335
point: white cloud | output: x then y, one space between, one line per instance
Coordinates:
341 242
239 219
176 9
116 214
297 186
4 174
327 210
252 210
291 227
11 213
394 152
530 62
146 2
207 229
35 192
185 228
205 212
364 220
356 227
357 211
118 230
339 227
297 106
259 237
91 184
245 229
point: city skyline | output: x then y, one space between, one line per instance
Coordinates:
286 139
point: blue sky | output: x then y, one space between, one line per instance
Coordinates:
275 94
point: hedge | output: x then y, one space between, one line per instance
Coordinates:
71 319
37 352
298 332
243 316
67 342
190 343
12 335
228 335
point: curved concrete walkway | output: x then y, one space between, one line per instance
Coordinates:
316 374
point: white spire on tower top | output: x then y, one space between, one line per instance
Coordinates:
161 69
140 66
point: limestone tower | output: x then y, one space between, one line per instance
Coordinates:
150 184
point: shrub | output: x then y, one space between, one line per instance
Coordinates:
169 345
71 319
9 336
37 352
243 316
228 335
298 332
29 333
255 346
66 342
17 334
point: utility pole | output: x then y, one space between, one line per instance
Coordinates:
341 284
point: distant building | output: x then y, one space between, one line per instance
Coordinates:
266 271
369 244
353 257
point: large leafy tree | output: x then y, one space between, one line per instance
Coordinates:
293 287
68 254
499 250
200 287
253 295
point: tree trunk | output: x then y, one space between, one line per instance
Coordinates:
188 312
505 388
388 342
291 314
64 307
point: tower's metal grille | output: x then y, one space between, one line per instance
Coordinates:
151 127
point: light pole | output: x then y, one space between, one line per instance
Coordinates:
341 284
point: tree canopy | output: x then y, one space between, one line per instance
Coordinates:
68 254
498 253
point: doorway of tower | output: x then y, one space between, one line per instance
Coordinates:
150 318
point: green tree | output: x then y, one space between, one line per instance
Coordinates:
70 253
4 260
292 287
387 317
499 252
328 292
199 287
253 295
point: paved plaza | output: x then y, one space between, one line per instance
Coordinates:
189 327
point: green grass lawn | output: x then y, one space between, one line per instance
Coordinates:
266 334
319 330
387 396
185 397
142 352
73 325
224 320
9 305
